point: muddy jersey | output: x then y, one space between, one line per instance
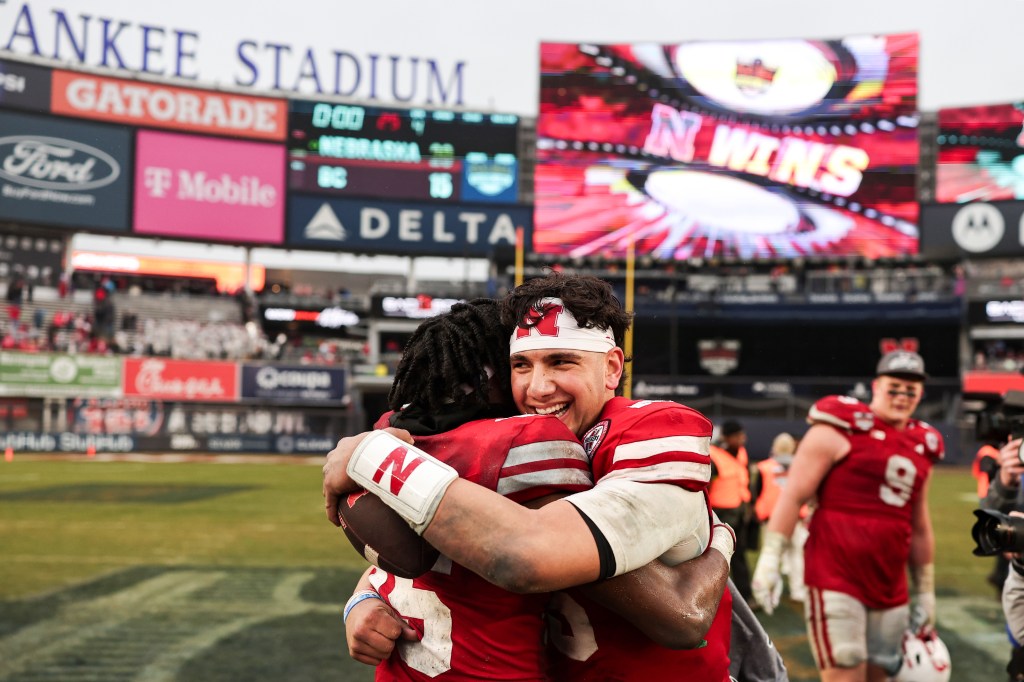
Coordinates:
860 531
469 628
653 442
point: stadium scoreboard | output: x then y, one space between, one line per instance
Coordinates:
403 154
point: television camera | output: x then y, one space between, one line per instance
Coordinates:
998 421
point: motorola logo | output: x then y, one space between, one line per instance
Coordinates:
978 228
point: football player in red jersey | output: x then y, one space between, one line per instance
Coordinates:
464 628
651 464
869 467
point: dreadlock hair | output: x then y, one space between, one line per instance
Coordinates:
589 299
448 353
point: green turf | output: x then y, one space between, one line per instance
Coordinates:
185 513
230 571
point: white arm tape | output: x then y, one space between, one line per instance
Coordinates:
404 477
723 537
646 521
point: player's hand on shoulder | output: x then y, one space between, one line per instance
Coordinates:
372 630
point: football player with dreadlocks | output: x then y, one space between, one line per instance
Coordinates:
452 392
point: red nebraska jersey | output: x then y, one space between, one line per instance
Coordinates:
471 629
653 442
860 532
592 644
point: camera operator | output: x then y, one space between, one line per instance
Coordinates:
1004 492
1004 495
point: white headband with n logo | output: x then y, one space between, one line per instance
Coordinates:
553 326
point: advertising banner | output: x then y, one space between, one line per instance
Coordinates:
24 86
166 379
61 172
975 230
157 105
209 189
744 149
66 441
40 258
287 384
997 311
44 375
136 416
416 307
403 228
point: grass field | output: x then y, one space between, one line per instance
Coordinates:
175 572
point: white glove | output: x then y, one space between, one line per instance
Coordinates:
922 589
766 584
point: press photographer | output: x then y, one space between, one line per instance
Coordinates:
1000 524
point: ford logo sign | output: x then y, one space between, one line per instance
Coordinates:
55 163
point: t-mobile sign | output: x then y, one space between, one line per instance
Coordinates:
203 188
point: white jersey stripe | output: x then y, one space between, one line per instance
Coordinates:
662 471
700 445
561 477
546 450
816 415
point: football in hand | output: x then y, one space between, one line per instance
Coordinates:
383 537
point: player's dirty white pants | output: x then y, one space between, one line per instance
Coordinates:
844 633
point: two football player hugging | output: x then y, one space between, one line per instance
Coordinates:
499 480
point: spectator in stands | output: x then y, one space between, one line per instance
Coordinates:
15 298
64 285
103 309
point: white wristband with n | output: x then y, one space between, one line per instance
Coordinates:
404 477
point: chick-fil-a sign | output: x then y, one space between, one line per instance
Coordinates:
203 188
166 379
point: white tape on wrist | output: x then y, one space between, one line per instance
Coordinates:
404 477
723 538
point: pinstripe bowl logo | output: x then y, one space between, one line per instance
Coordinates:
719 356
592 439
863 420
754 77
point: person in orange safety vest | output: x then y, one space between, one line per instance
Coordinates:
771 479
985 467
729 495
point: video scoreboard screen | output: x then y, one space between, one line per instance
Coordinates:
748 149
407 154
981 154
